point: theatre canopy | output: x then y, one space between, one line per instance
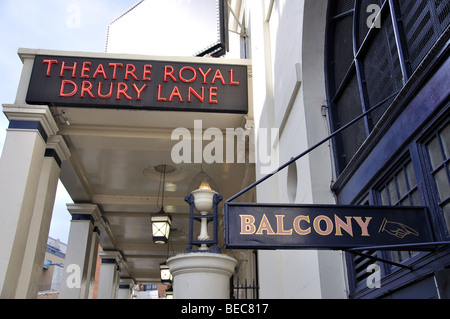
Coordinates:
118 114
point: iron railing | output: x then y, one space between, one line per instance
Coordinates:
242 290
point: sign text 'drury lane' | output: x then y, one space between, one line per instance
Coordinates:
78 81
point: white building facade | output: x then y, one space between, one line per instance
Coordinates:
289 94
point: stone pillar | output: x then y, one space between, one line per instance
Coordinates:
56 152
201 275
20 172
93 262
109 274
76 281
125 288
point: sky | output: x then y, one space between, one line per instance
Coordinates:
82 25
185 26
73 25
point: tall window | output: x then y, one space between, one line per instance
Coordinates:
369 60
399 186
400 190
374 48
438 151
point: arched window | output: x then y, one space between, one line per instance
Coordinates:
373 48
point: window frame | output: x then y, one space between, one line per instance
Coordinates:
389 144
391 12
355 69
427 171
398 167
416 154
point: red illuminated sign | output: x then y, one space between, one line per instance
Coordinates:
138 84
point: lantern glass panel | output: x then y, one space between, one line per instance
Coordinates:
161 228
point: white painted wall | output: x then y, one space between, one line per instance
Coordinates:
288 92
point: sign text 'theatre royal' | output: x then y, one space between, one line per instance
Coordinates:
138 84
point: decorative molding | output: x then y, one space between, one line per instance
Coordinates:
30 113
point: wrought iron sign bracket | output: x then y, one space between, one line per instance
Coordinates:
242 232
432 246
379 259
309 150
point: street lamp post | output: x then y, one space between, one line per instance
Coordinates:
204 200
202 272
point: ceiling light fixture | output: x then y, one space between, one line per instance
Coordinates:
161 221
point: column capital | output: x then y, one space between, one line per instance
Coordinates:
110 255
57 143
109 274
126 282
32 113
90 212
85 211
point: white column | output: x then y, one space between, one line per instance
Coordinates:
93 261
109 275
125 286
201 275
56 152
20 172
78 269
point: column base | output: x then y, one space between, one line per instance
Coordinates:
201 275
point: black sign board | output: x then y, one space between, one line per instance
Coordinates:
270 226
138 84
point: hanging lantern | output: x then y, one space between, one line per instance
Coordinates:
161 223
169 294
166 276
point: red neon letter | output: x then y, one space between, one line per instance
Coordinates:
115 65
201 98
147 71
177 93
63 85
64 67
219 76
212 93
107 96
204 74
130 69
231 78
139 91
49 66
84 68
87 87
194 74
166 73
159 94
122 88
101 70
